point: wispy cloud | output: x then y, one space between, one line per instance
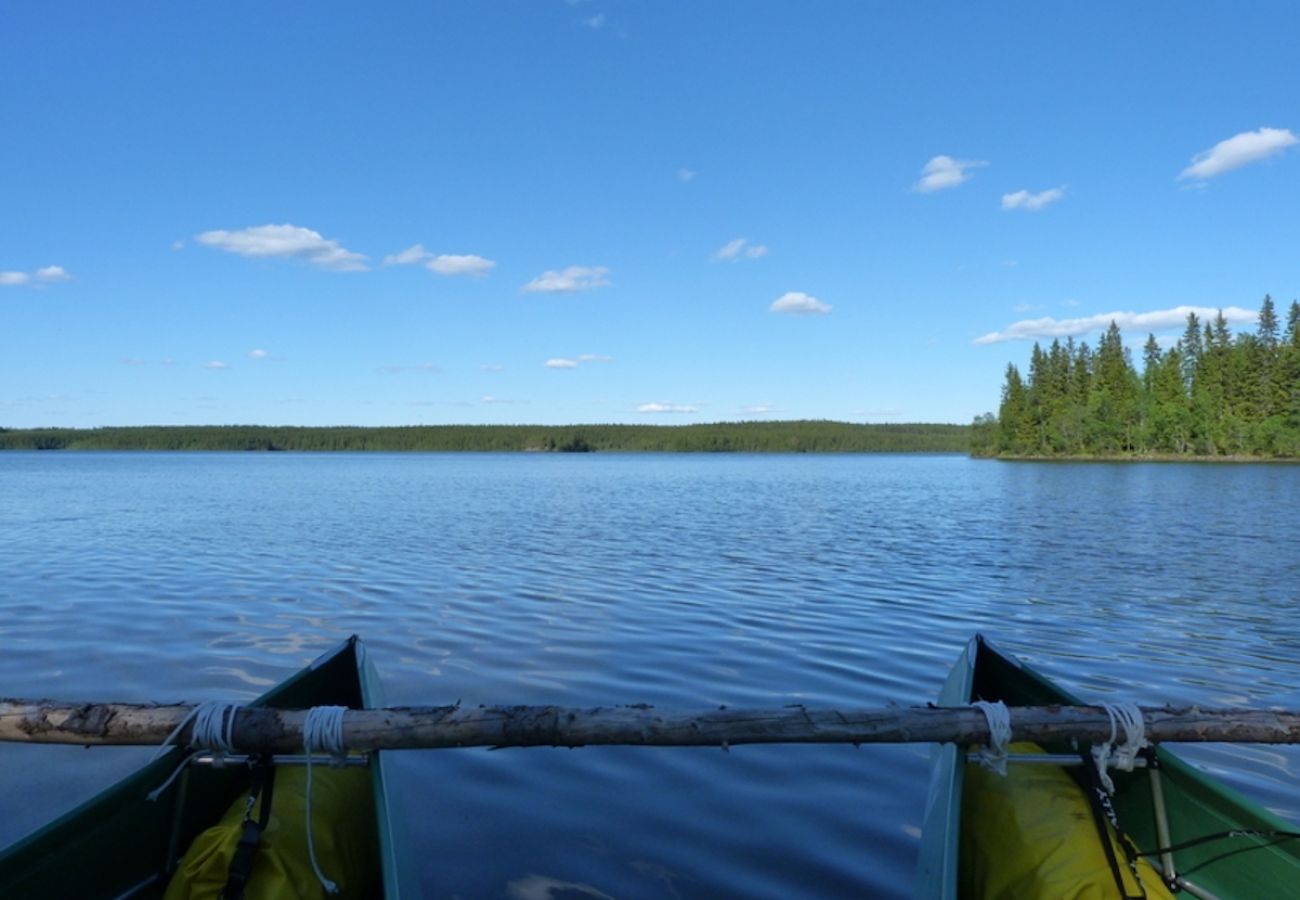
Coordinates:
492 367
597 21
1237 151
799 303
216 365
685 175
457 264
286 241
565 362
1158 320
739 249
1032 202
52 273
445 264
944 172
411 255
257 354
667 408
43 275
568 281
758 409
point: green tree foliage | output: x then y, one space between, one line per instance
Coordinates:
756 437
1211 394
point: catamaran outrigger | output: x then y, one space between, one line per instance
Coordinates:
184 827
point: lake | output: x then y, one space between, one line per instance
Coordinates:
680 581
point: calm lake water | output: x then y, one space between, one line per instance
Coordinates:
680 581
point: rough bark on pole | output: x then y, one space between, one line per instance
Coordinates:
433 727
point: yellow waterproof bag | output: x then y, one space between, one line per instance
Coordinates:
343 834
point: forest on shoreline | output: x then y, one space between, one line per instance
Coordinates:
1210 396
739 437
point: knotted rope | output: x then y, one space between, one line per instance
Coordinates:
1127 716
322 730
214 728
994 756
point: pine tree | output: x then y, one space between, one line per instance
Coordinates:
1016 427
1112 403
1189 348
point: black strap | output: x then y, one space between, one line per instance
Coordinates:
241 864
1103 813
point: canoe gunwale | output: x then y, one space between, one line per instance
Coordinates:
1193 798
100 840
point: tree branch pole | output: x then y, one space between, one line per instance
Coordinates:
258 730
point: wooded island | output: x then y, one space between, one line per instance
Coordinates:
1211 395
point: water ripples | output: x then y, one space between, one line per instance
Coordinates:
683 582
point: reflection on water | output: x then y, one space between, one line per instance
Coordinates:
677 581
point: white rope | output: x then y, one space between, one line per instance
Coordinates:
994 756
1126 716
214 728
323 730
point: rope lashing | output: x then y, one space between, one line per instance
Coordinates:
322 730
1128 717
214 728
994 756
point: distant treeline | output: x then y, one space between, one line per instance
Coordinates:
1210 395
749 437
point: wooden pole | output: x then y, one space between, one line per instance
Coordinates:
258 730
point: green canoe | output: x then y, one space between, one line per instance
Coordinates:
1194 805
121 844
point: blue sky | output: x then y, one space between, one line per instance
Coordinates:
615 211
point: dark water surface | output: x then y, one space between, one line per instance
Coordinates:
681 581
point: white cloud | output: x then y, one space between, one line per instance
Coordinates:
410 255
595 357
257 354
453 264
561 364
1025 200
666 408
596 22
286 241
759 409
685 175
44 275
1237 151
945 172
740 248
178 245
216 364
53 273
568 281
799 303
1158 320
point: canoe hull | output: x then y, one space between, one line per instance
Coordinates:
121 844
1195 804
